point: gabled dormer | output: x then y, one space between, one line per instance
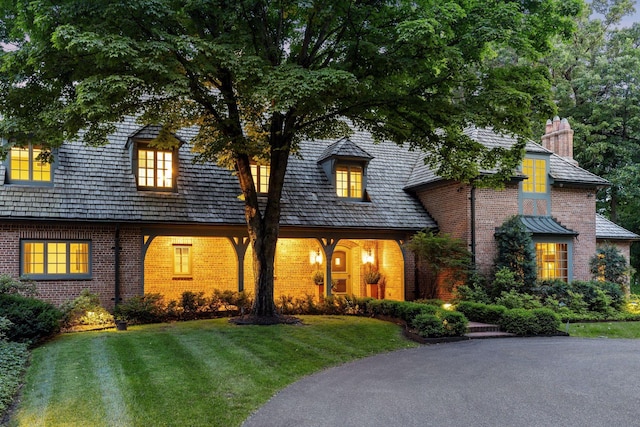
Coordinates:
345 165
154 158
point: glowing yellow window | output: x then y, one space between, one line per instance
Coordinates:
552 261
155 168
24 165
260 175
349 181
56 258
182 260
536 172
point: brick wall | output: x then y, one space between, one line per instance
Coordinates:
575 209
102 239
493 207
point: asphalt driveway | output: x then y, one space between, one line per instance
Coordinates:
555 381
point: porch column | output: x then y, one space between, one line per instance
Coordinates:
240 244
328 246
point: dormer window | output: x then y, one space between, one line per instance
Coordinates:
24 166
345 165
260 174
154 167
536 172
349 181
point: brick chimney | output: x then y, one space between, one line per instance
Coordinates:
558 137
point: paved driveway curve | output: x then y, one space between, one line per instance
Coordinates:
499 382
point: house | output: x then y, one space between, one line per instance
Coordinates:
127 218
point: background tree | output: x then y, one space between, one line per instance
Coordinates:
257 77
596 78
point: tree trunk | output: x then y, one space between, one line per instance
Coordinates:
264 227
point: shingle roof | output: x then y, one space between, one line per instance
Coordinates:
344 148
606 229
561 170
98 184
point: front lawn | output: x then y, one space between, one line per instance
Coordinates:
604 329
200 373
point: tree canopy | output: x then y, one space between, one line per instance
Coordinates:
596 80
257 77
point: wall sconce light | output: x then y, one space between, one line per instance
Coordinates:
589 194
367 256
315 257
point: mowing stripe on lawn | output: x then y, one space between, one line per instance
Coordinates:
40 395
108 380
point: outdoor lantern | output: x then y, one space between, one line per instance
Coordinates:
315 257
367 256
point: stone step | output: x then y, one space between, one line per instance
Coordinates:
476 330
482 327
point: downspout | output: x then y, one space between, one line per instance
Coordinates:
473 225
117 248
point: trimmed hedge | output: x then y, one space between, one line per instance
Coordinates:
32 319
519 321
540 321
479 312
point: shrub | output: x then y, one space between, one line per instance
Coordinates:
593 298
434 301
547 321
193 305
516 253
5 325
530 322
471 292
9 285
609 264
454 323
513 299
32 320
85 310
148 308
478 312
428 325
13 363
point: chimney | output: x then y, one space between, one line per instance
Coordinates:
558 137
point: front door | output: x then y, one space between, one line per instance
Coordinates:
340 272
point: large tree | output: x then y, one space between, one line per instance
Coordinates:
259 76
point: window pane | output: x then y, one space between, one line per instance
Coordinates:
540 176
19 163
181 260
33 258
56 258
78 258
264 178
342 181
145 168
164 167
41 171
355 182
552 260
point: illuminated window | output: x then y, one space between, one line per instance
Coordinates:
46 259
155 168
536 172
552 260
25 166
349 181
182 260
260 175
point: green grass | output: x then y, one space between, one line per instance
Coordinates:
605 329
201 373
